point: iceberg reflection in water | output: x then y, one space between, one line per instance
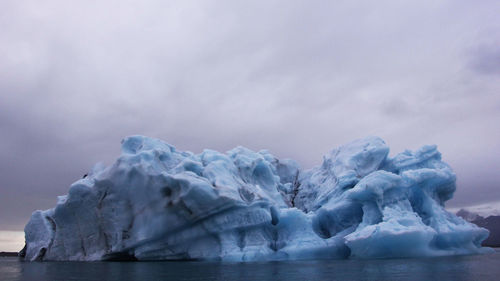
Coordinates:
475 267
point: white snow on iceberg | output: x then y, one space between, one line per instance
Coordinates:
158 203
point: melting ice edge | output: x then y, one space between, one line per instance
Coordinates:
158 203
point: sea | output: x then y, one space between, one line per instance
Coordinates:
473 267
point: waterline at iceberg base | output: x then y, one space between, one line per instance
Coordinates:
158 203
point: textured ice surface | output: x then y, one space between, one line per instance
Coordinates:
156 202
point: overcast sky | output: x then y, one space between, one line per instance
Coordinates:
296 77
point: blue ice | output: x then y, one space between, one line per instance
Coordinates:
158 203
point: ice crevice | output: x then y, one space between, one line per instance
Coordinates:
158 203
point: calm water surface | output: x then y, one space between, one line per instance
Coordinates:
480 267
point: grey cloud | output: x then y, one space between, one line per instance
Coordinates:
298 78
486 59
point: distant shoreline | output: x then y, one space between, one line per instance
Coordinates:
9 254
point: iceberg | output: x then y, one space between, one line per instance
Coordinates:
158 203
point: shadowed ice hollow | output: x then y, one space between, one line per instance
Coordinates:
158 203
